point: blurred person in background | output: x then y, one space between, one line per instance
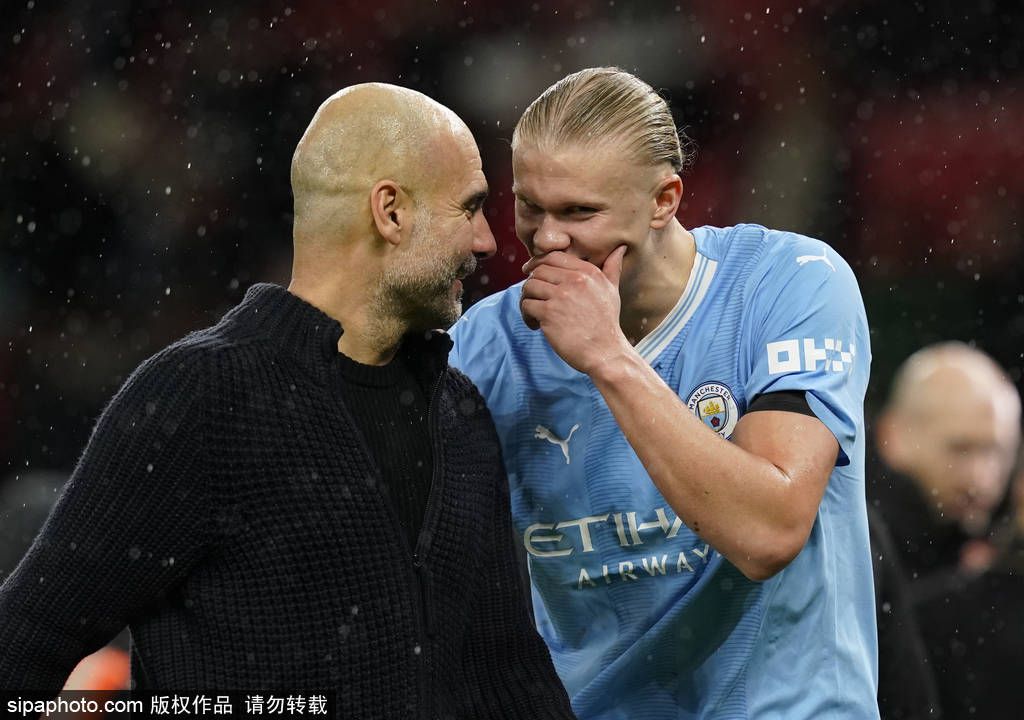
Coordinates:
974 627
305 496
675 574
948 437
906 681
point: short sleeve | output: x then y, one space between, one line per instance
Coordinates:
809 333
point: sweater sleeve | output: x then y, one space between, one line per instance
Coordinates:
507 665
129 525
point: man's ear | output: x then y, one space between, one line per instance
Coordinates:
390 207
667 196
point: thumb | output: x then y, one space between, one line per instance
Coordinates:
612 267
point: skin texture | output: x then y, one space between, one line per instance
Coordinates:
586 202
608 262
389 191
952 426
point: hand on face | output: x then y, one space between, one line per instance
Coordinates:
576 305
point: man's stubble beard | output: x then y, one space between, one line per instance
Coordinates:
418 288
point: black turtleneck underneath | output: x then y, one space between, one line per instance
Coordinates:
390 408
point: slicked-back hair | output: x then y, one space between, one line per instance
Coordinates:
600 104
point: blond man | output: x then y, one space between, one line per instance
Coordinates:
681 418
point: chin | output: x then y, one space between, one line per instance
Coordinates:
451 317
437 317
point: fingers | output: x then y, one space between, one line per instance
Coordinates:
612 267
525 307
549 274
534 293
538 289
556 259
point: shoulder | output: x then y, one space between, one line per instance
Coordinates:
764 248
488 331
192 363
778 264
183 362
165 392
793 255
495 314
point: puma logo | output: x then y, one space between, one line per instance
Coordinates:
542 433
804 259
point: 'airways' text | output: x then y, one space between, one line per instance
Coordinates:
650 566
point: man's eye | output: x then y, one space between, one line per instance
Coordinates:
581 210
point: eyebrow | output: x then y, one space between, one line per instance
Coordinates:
476 200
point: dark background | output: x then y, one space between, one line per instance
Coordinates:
144 155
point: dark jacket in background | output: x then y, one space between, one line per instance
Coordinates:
906 683
973 628
925 544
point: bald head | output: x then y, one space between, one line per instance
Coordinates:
941 377
953 426
358 136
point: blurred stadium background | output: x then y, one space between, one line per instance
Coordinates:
145 147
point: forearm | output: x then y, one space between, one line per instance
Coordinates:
40 643
737 501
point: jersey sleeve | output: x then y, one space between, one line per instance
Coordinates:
808 333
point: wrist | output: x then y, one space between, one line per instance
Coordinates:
613 365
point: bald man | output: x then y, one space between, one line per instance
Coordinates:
304 498
949 435
974 627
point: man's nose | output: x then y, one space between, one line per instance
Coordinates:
550 236
484 245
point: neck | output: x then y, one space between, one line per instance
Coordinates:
368 336
656 279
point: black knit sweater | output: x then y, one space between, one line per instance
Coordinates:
227 510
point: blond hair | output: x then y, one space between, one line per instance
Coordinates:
600 104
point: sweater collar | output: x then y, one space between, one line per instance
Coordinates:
311 336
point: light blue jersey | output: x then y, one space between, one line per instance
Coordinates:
644 620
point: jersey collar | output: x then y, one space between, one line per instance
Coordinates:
696 289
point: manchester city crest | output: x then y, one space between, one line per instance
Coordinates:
713 403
